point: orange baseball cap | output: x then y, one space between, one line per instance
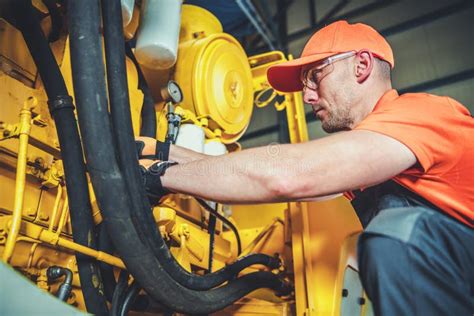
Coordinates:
338 37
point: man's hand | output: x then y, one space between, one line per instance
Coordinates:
151 175
150 148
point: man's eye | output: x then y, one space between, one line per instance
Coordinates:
315 75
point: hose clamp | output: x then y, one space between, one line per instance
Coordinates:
60 102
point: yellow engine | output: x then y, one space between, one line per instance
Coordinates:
278 259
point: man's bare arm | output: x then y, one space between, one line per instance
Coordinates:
292 172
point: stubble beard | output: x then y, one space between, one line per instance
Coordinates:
337 120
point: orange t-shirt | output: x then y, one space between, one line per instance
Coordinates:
440 132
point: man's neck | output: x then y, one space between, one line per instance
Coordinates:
368 102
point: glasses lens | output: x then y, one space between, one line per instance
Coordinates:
312 77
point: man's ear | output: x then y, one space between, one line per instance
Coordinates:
364 65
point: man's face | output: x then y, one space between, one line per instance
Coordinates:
332 99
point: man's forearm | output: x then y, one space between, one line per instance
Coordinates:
250 176
183 155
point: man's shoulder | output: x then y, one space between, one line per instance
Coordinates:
420 98
428 104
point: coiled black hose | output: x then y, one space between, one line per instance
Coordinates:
128 162
109 184
62 111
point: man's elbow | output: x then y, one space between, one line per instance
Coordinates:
289 188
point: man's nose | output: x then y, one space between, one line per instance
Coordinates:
310 96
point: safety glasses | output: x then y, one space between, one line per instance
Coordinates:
311 78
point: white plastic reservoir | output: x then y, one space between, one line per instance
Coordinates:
158 34
214 148
191 136
127 11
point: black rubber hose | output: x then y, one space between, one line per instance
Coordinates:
109 184
123 132
119 294
56 21
211 229
104 244
225 221
65 288
107 271
62 111
148 113
130 296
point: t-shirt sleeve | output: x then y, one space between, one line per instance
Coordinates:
423 124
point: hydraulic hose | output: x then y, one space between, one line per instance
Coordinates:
62 111
107 273
148 113
56 21
130 296
106 270
128 162
65 288
109 183
119 294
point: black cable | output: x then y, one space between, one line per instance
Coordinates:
119 293
130 297
62 111
104 244
211 229
148 114
225 221
107 271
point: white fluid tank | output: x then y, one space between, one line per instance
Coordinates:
192 137
127 11
214 148
158 35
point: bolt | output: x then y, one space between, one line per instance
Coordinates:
43 217
345 292
30 212
361 301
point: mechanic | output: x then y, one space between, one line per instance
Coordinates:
405 161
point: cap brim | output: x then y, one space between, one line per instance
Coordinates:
285 77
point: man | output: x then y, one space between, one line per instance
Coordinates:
406 162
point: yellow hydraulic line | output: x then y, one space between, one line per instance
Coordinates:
56 207
54 239
25 127
64 214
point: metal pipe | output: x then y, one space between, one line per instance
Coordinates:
53 239
62 219
256 21
55 207
25 127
